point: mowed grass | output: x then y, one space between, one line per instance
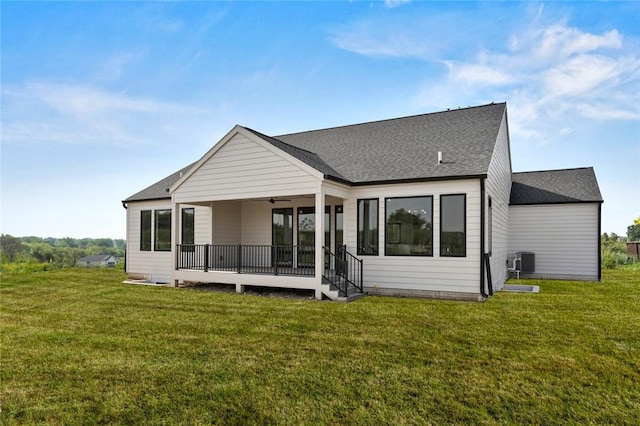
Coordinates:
79 347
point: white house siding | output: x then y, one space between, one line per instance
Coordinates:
201 224
498 187
564 238
226 223
154 266
243 168
434 276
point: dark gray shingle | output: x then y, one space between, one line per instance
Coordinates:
388 150
158 190
407 148
303 155
555 187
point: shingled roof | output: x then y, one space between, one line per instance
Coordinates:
555 187
160 189
407 148
400 149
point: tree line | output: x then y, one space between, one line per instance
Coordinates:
56 252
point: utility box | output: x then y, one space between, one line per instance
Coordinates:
527 261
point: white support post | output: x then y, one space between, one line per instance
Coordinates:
319 261
175 224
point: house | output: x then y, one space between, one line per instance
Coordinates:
97 260
413 206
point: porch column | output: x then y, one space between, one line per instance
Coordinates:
175 231
319 263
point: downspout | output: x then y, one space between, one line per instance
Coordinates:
124 204
482 217
599 242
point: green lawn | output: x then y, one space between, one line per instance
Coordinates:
77 346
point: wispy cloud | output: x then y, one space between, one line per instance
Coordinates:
43 112
547 75
395 3
548 70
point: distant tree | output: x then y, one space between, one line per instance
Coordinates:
103 242
11 246
613 237
42 252
605 237
633 231
67 242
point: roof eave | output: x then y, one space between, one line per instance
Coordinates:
557 202
422 179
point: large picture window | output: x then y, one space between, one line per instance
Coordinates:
368 227
145 230
162 230
453 225
409 226
188 226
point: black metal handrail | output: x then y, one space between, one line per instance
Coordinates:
343 270
253 259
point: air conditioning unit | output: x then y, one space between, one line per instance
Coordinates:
527 261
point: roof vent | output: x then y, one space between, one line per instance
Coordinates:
439 157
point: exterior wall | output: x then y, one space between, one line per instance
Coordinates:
564 238
155 266
498 187
201 223
226 223
433 276
243 168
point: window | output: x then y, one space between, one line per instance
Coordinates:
162 230
188 226
453 225
409 226
368 227
145 230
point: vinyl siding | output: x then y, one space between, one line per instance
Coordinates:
440 274
498 187
154 266
226 220
564 238
244 168
202 224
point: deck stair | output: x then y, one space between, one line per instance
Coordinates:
342 277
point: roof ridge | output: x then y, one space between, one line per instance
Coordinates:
554 170
392 119
276 139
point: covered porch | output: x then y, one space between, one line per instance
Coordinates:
273 241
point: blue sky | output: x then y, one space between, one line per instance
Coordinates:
101 99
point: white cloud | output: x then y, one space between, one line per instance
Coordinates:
478 74
549 75
395 3
45 112
368 39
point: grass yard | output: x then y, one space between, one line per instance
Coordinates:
79 347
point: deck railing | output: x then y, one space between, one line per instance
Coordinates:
248 259
344 271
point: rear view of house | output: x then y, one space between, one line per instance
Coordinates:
416 206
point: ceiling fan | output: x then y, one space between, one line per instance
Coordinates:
273 200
